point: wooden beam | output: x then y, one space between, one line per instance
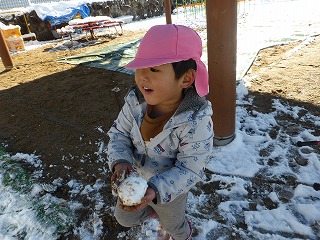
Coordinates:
5 53
167 9
222 47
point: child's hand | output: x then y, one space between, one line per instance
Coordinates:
121 171
148 197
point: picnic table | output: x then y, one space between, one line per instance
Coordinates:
88 24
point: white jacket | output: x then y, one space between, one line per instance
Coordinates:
174 160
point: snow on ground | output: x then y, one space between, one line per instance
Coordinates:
261 24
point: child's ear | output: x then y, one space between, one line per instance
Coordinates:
188 78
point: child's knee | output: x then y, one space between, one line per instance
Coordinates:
125 220
125 223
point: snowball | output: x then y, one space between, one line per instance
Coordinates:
132 189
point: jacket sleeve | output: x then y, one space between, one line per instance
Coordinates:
195 149
120 146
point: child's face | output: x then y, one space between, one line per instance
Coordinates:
159 85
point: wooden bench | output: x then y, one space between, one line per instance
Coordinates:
90 26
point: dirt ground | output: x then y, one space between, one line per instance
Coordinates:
288 71
53 109
61 112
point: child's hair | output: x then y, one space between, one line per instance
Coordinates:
182 67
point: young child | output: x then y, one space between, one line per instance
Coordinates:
164 131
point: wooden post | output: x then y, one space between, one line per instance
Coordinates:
5 53
167 9
222 47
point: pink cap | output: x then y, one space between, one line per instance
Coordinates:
172 43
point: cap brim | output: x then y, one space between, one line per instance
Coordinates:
139 63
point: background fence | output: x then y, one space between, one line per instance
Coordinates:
9 4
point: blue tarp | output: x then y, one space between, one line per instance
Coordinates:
55 20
